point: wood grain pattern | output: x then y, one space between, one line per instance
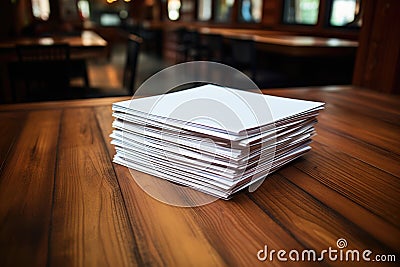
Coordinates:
351 101
62 104
64 203
26 191
374 225
370 154
311 222
367 186
10 133
89 223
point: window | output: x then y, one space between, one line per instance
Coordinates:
84 10
41 9
345 13
223 10
173 9
301 12
250 10
110 19
204 11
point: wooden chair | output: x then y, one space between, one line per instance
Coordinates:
188 44
182 44
78 69
214 44
244 56
206 47
43 69
132 53
128 76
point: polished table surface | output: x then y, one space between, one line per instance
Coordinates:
64 203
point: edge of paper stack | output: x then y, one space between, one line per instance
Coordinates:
214 139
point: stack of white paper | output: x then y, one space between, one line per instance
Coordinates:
213 139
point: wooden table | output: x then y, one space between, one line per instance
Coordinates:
87 45
289 44
82 47
306 46
238 33
63 203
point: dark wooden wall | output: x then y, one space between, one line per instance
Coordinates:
14 16
378 58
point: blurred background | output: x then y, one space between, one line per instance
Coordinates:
278 43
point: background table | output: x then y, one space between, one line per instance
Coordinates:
86 45
63 203
289 44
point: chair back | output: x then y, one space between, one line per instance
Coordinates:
215 46
244 55
44 62
41 68
55 52
132 54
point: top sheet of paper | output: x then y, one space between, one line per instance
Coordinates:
218 108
